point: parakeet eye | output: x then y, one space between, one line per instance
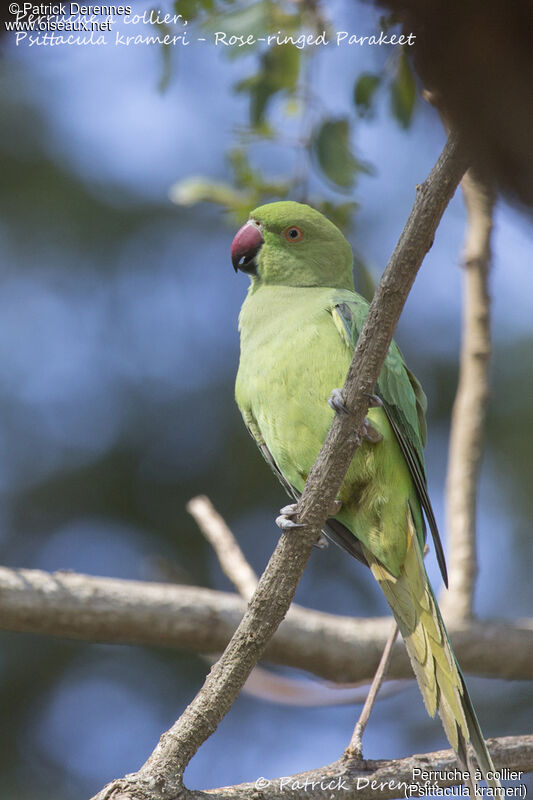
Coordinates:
293 234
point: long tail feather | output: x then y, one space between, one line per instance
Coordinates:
415 608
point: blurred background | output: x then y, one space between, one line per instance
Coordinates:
125 172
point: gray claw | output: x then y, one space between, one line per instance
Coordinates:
335 508
289 511
322 542
370 433
374 401
287 524
336 402
284 520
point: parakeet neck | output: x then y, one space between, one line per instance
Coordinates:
312 282
324 265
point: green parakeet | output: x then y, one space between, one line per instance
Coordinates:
299 325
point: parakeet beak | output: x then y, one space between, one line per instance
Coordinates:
246 245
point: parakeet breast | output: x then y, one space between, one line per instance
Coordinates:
291 359
293 355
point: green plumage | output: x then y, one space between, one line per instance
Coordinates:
299 325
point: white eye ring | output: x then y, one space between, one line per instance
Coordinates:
293 234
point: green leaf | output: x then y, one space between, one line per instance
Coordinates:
189 9
364 92
190 191
403 92
279 70
331 146
253 19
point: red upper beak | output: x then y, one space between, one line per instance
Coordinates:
246 245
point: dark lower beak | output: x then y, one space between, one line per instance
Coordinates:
246 245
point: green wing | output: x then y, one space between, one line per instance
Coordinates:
404 403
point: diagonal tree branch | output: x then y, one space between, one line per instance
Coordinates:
261 682
470 406
161 777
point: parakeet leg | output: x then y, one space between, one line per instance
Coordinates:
336 402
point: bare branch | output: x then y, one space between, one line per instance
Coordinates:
350 779
340 649
469 410
267 685
355 748
230 555
160 778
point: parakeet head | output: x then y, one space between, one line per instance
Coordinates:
292 244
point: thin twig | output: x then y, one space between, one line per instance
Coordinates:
230 555
161 777
470 406
355 748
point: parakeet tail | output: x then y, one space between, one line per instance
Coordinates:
442 685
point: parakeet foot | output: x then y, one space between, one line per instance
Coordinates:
284 520
336 402
335 508
374 401
370 433
289 510
322 542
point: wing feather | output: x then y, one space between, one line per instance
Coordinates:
405 404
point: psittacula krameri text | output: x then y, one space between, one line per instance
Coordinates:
299 325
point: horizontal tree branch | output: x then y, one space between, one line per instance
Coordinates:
341 649
370 780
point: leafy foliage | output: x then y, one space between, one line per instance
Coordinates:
331 144
364 91
403 93
248 190
323 145
279 70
